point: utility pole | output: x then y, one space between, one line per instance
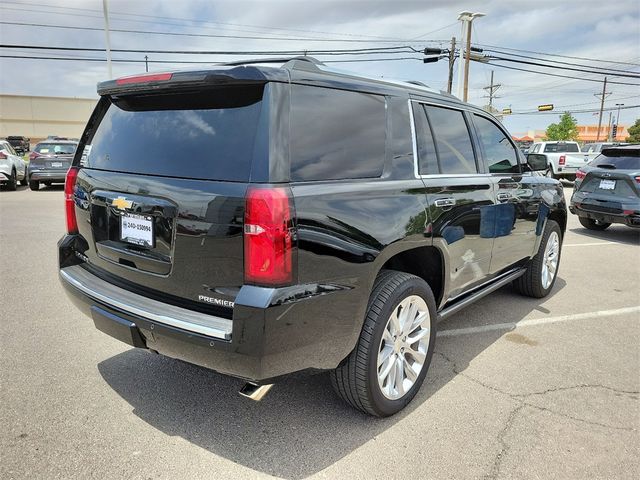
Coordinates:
618 119
463 85
602 96
609 128
146 63
492 89
452 60
105 10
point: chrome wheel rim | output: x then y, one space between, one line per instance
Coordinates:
403 347
550 260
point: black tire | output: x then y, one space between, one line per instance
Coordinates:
531 284
549 173
593 224
34 185
12 183
356 378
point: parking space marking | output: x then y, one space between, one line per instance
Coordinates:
589 244
540 321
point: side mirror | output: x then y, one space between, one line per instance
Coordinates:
537 162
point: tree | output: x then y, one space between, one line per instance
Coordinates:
634 132
566 129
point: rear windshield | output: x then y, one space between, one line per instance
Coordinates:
207 135
618 162
561 147
56 148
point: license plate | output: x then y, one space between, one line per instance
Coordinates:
607 184
56 164
137 229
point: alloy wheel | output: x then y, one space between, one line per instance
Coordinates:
550 260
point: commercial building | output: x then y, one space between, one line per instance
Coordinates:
40 117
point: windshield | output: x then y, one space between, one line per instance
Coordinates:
56 148
620 162
561 147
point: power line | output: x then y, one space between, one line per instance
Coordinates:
525 62
187 62
207 35
536 112
558 55
561 76
350 51
561 62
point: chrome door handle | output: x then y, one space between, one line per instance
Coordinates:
503 196
445 202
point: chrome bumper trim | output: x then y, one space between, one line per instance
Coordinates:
153 310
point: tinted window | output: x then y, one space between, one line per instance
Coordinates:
336 134
561 147
455 152
427 160
209 135
621 162
56 148
499 154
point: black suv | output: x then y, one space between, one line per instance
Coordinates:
20 144
263 220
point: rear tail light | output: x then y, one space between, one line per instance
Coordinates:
562 160
268 236
3 155
33 155
580 174
638 179
69 187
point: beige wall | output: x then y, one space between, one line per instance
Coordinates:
39 117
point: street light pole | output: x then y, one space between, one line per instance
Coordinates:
463 84
105 10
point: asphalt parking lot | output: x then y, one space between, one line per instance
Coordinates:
519 388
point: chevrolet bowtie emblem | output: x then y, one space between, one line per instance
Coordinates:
121 203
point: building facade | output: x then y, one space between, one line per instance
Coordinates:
40 117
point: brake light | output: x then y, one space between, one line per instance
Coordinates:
562 160
152 77
580 174
33 155
69 187
268 243
638 179
3 155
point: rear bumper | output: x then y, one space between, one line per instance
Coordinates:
48 175
272 332
629 220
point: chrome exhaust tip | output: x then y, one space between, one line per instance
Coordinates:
255 392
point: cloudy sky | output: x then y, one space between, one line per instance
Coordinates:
607 31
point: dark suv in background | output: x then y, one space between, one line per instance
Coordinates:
264 220
50 161
19 143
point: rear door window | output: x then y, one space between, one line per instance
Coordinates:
208 135
499 153
427 159
453 142
336 134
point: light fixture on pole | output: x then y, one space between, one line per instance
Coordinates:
463 69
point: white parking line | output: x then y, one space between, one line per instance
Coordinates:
588 244
539 321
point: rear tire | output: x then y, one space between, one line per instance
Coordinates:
25 180
12 183
593 224
397 338
542 271
34 185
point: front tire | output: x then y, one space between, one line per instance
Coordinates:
386 369
542 271
593 224
34 185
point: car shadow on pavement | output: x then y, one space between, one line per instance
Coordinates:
615 233
301 427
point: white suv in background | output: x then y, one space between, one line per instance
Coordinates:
12 166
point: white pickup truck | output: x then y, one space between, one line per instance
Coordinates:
563 158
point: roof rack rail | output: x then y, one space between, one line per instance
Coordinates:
418 82
285 60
